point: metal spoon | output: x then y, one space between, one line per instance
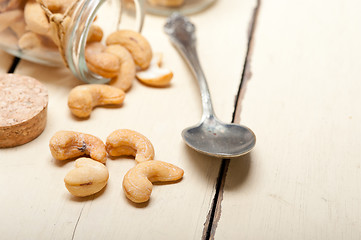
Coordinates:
210 136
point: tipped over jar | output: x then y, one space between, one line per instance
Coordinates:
55 32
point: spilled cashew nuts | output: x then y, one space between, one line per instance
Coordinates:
137 183
82 99
129 142
127 69
68 144
87 178
103 64
154 75
135 43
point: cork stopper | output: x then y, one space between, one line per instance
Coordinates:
23 109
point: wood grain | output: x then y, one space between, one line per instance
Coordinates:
303 180
36 200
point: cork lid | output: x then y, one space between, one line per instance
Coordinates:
23 105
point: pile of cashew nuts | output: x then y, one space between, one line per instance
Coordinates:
128 55
90 174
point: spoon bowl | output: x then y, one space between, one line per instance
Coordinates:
210 136
218 139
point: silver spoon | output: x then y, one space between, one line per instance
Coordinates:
210 136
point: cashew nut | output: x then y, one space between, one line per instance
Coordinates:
129 142
155 75
82 99
93 48
30 40
167 3
68 144
8 18
18 27
126 74
104 64
35 18
137 183
53 5
88 177
136 44
95 34
6 5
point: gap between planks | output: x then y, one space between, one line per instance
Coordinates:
14 65
214 214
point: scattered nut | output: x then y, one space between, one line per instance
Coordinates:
136 44
137 183
128 142
68 144
82 99
167 3
87 178
127 70
104 64
154 75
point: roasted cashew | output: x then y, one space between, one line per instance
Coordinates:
6 5
129 142
126 74
136 44
166 3
137 183
68 144
9 17
104 64
35 18
95 33
82 99
88 177
30 40
154 75
53 5
19 27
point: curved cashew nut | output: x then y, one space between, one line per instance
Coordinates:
103 64
95 33
137 183
68 144
129 142
7 19
35 18
82 99
30 40
154 75
135 43
126 75
166 3
88 177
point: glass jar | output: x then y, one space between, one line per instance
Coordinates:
55 32
185 7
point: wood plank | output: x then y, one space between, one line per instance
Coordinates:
5 61
303 179
35 199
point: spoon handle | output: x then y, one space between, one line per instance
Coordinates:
182 34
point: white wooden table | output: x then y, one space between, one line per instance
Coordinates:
297 66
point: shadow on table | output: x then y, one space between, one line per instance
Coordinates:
237 172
